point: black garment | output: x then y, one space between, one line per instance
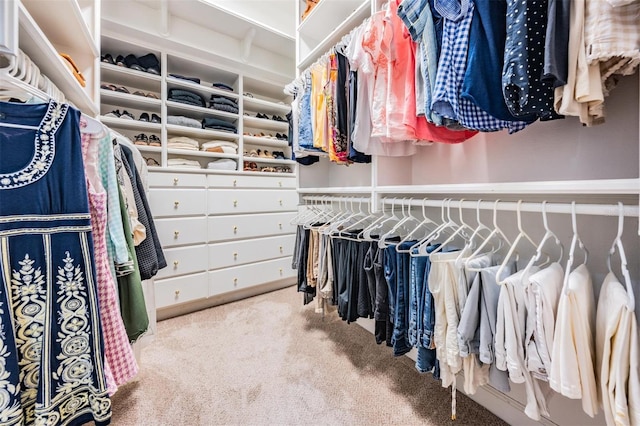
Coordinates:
556 44
223 86
187 97
223 107
365 307
224 100
354 155
182 77
218 124
383 324
525 93
149 252
302 237
342 108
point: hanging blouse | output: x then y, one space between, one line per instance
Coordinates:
556 44
526 94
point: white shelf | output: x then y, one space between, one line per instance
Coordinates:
128 100
120 123
570 187
38 47
328 14
131 78
343 26
186 84
146 148
336 190
65 24
262 123
259 105
186 152
200 111
254 140
177 130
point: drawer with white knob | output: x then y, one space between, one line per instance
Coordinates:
177 180
177 232
235 227
223 201
231 181
246 251
184 260
177 202
173 291
239 277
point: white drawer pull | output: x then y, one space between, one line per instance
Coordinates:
235 229
280 249
235 256
176 204
235 203
235 182
177 293
176 234
280 183
175 181
175 263
235 281
281 271
280 225
280 201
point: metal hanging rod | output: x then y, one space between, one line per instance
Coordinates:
560 208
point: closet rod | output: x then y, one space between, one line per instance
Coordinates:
337 199
561 208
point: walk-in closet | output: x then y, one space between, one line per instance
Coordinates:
336 212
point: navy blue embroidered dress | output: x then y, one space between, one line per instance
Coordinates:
51 356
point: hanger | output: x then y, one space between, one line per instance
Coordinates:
366 217
522 236
418 248
547 235
470 242
496 232
382 243
617 244
460 231
426 221
575 241
380 226
350 216
365 234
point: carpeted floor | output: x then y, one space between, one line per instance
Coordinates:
270 360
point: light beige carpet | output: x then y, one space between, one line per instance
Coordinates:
270 360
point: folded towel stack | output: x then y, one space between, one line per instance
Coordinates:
184 163
224 147
183 142
222 164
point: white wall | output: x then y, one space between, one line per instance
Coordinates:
279 15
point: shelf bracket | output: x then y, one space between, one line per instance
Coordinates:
246 44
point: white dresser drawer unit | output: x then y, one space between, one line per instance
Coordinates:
240 277
177 232
178 202
222 228
247 251
173 291
177 180
231 181
223 201
184 260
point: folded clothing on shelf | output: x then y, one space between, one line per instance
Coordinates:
223 107
183 162
224 147
222 86
182 77
222 164
218 124
183 142
218 99
181 120
187 97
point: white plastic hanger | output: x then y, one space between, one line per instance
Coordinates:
496 232
368 217
420 248
549 234
406 219
382 226
617 244
575 241
460 231
522 236
365 235
427 225
471 241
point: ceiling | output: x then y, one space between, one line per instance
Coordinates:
279 15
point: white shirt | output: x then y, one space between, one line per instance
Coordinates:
572 371
617 354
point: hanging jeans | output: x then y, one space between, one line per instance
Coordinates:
400 340
374 267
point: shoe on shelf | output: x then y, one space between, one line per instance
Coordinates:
141 139
154 140
107 86
108 59
261 115
144 117
278 118
155 118
150 63
120 61
127 115
122 89
132 62
139 93
113 114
